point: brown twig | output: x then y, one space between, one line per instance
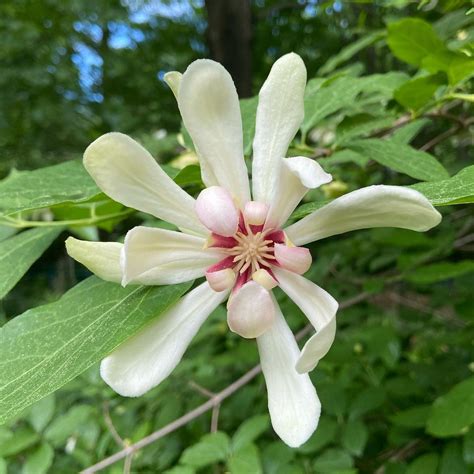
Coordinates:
214 401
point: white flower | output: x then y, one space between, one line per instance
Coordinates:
240 245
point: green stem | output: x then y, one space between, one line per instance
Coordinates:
20 223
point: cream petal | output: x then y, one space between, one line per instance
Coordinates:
292 400
297 175
146 359
154 256
374 206
173 79
319 307
280 112
127 173
101 258
210 110
250 311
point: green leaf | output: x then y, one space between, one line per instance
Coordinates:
411 39
65 425
342 157
369 399
39 461
3 466
19 252
360 125
212 448
245 461
64 183
452 461
426 464
324 435
456 190
333 460
189 176
249 431
48 346
412 417
436 272
453 412
350 50
401 158
416 93
406 133
248 111
42 412
354 437
22 439
468 447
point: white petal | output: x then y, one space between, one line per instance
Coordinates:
210 109
250 311
147 358
374 206
297 175
173 79
319 307
292 400
164 257
216 210
127 173
280 112
101 258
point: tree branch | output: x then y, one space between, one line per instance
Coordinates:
213 402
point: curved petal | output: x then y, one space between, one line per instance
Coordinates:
101 258
173 79
298 174
146 359
250 311
374 206
292 400
295 259
319 307
127 173
154 256
210 110
280 112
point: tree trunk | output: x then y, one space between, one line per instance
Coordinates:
229 36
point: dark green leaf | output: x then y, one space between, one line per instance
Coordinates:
412 417
249 431
245 461
369 399
452 461
333 460
212 448
45 187
19 252
436 272
401 158
453 412
22 438
48 346
354 437
40 460
426 464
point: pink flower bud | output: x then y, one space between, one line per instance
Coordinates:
295 259
221 280
255 212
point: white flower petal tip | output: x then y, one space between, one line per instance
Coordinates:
292 400
146 359
216 210
173 79
374 206
255 213
319 307
101 258
295 259
308 171
209 106
221 280
263 278
251 311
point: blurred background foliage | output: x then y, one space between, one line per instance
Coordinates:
390 79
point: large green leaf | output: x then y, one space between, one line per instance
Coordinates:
453 412
418 92
48 346
212 448
45 187
411 39
436 272
19 252
401 158
456 190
